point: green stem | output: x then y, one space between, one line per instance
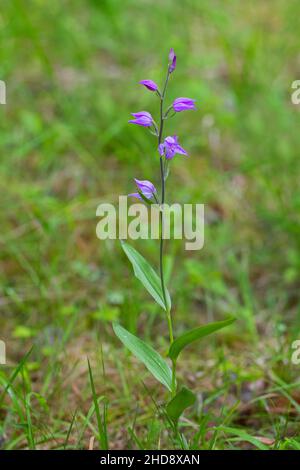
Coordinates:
173 378
161 244
161 248
163 190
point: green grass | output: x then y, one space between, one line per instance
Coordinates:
71 70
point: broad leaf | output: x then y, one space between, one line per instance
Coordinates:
179 403
197 333
146 274
145 353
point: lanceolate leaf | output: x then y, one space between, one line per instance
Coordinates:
179 403
145 353
146 274
195 334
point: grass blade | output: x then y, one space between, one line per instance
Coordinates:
102 430
195 334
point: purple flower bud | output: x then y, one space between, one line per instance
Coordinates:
145 187
172 60
149 84
170 147
161 149
143 118
183 104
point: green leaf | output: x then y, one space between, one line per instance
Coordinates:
243 436
146 274
145 353
179 403
145 199
197 333
102 435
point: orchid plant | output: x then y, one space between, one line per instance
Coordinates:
163 369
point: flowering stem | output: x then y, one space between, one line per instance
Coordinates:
163 191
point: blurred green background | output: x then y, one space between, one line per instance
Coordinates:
72 70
